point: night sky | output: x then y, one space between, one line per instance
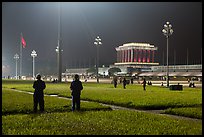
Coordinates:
116 23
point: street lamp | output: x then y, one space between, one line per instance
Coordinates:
97 42
167 31
59 61
34 54
16 57
57 49
59 46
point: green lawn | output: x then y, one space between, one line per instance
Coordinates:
94 119
133 97
193 112
22 103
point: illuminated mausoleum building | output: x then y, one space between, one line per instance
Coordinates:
136 54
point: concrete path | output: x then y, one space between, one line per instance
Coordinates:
114 107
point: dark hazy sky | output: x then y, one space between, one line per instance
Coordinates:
116 23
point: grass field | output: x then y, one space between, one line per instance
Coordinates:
17 116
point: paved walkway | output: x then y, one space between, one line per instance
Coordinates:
114 107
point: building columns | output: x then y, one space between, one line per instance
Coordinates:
132 51
135 55
148 58
152 55
123 56
144 56
128 55
140 54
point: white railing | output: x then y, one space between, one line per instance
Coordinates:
178 67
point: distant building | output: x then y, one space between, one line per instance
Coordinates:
132 57
136 54
138 59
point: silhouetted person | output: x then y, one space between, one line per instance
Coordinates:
192 84
162 84
76 87
124 83
38 96
144 84
115 81
131 80
53 81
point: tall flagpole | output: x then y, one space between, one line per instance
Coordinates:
59 47
21 56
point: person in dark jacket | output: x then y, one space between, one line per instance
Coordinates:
124 83
38 96
144 84
131 80
76 87
115 81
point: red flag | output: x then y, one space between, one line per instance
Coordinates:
23 42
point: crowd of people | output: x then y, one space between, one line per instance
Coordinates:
124 81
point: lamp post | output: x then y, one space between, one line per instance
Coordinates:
59 47
34 54
16 57
97 42
167 31
59 61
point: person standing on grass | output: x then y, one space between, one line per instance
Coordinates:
144 84
124 83
115 81
131 80
76 87
38 96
